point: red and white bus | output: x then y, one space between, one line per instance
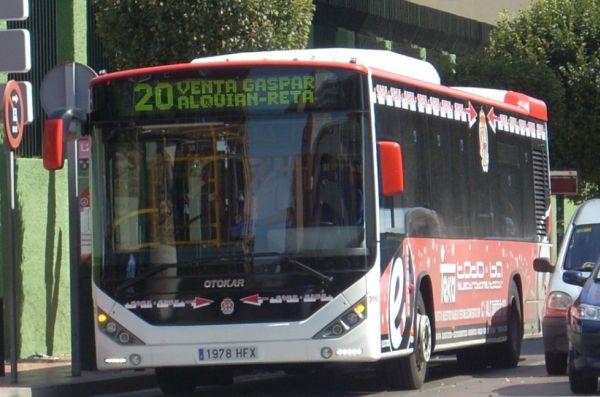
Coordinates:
312 207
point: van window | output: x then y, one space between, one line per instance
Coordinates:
583 247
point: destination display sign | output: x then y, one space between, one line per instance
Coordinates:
163 95
224 93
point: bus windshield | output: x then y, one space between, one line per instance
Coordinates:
248 186
244 189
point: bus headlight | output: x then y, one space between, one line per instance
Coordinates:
124 338
111 327
115 331
344 323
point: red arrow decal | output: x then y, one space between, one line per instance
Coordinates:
472 114
255 300
492 118
200 302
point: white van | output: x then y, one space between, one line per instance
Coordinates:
580 250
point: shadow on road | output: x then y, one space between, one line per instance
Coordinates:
329 384
535 390
529 379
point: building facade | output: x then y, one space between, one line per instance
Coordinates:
476 10
438 31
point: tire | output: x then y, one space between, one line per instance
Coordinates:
409 372
176 380
578 382
556 363
508 354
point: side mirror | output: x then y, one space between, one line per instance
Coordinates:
392 172
542 265
53 146
57 131
575 277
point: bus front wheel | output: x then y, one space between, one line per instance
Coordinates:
409 372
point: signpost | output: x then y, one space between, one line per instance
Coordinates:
15 43
14 10
562 183
26 91
15 57
64 94
14 114
13 118
565 183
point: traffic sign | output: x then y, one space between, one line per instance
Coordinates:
564 183
15 53
14 114
14 10
27 92
66 86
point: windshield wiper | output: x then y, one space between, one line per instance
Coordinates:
287 259
324 277
155 269
147 274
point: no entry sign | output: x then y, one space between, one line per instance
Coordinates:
14 114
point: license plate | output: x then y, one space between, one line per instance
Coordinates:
228 353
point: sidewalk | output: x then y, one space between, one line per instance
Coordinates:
53 378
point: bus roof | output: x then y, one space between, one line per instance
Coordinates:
384 60
531 106
383 63
393 63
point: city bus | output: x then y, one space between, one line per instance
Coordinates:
307 209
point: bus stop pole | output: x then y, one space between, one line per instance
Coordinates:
12 270
75 256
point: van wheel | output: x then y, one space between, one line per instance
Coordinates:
409 372
556 363
508 353
176 380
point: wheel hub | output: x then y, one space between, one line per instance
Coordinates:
424 338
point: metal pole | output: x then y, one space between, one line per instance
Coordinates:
560 220
74 256
12 270
74 226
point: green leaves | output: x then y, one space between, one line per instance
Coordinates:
560 39
152 32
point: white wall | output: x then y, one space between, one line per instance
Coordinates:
487 11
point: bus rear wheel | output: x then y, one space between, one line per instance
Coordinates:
508 353
176 380
409 372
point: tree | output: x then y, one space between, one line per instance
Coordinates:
533 79
564 36
153 32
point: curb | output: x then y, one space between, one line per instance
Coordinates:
89 384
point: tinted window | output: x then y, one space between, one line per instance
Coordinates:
583 246
455 186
